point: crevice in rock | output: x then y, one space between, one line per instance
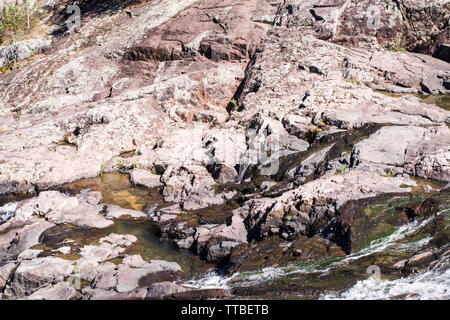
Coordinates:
237 95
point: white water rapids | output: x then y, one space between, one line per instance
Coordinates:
429 284
7 211
432 284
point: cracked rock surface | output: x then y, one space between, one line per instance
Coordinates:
255 133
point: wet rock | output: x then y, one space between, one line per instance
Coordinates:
216 243
423 209
191 88
277 252
371 222
443 52
361 222
420 259
306 209
145 178
213 241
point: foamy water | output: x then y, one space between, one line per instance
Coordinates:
7 211
431 284
210 281
390 242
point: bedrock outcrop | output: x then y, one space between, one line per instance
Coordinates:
257 122
95 95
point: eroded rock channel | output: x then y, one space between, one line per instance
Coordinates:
228 149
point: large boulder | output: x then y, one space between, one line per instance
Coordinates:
418 151
59 291
145 178
192 186
20 237
59 208
135 273
32 274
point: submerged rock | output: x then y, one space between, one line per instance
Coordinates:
277 252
